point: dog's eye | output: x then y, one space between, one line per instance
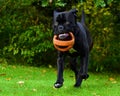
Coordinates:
67 22
56 24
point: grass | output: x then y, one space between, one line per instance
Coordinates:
33 81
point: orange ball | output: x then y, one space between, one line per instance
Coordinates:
63 45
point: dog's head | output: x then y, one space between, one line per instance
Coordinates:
64 22
63 26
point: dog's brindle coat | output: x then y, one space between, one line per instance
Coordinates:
66 22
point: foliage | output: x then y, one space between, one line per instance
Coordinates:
101 22
22 32
34 40
102 3
26 34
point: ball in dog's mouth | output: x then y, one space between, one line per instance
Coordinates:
66 43
64 36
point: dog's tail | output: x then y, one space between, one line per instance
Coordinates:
83 17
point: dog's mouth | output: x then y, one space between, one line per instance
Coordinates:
64 36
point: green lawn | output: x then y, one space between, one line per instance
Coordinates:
33 81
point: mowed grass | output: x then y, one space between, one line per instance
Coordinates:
35 81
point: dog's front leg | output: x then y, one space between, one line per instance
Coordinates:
60 68
84 67
83 70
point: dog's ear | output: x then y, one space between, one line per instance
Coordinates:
74 10
72 16
55 14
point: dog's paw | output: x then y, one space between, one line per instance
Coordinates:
78 82
77 85
85 76
58 85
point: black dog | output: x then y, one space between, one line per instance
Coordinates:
66 22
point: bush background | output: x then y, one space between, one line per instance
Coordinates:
26 31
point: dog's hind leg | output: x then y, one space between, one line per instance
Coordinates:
60 66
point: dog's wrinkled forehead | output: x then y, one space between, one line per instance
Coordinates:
67 16
61 17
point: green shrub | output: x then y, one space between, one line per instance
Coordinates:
26 34
104 30
23 33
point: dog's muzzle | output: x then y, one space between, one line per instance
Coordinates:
60 28
64 42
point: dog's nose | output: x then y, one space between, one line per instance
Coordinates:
60 28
